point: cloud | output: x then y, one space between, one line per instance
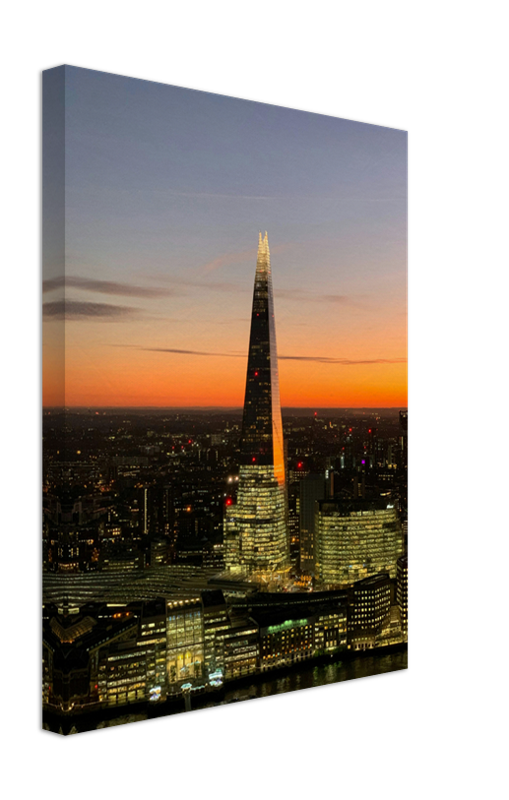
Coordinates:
104 287
189 352
345 362
73 309
240 257
51 284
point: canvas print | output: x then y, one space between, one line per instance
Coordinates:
224 400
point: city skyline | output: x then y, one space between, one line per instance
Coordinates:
159 226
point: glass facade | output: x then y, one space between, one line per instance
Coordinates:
215 627
354 542
184 644
256 533
153 640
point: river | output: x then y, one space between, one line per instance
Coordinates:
304 676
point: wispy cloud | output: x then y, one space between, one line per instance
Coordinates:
105 287
52 283
73 309
240 257
345 362
189 352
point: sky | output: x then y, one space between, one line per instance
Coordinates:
165 192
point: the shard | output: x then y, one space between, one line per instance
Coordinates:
256 533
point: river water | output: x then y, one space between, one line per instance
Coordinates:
310 675
303 677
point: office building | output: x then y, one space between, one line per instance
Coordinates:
312 489
215 626
356 539
185 643
241 648
402 590
284 640
370 612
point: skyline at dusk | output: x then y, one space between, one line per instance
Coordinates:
165 191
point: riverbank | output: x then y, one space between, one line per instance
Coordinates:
325 669
332 720
342 655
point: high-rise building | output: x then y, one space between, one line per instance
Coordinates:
255 527
312 489
356 539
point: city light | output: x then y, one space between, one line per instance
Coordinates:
177 591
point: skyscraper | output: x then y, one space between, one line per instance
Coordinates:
256 534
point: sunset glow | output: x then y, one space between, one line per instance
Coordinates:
160 244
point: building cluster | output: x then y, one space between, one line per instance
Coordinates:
98 655
184 551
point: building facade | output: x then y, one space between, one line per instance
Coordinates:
374 620
185 645
312 489
356 539
402 591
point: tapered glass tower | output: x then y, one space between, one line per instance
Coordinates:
256 534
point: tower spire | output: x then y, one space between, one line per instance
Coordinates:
263 259
256 536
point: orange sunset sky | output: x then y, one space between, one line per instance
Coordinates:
165 191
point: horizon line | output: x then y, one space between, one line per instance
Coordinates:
221 408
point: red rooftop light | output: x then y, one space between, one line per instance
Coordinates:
228 501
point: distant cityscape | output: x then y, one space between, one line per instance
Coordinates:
189 556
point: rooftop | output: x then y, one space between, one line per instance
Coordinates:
134 585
